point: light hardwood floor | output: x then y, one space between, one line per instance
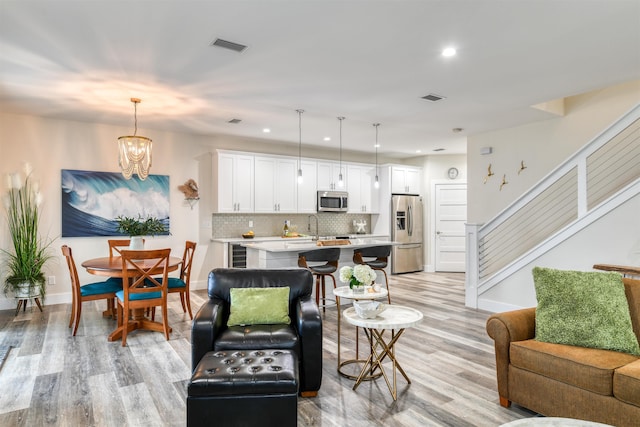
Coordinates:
53 378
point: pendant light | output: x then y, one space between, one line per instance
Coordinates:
134 152
340 180
376 183
300 146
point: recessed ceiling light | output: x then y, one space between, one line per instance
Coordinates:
418 151
327 138
449 51
376 145
266 130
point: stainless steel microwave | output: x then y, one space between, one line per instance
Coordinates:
333 201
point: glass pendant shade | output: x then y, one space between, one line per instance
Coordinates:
134 152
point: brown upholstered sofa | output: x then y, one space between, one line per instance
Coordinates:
566 381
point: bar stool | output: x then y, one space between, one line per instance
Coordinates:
381 255
330 258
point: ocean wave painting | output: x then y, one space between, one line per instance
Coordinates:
91 201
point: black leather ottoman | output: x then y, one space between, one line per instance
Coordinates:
244 388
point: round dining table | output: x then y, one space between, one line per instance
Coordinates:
112 267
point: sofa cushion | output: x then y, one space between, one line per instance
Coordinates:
626 383
587 309
259 306
588 368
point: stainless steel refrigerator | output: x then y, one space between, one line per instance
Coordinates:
406 228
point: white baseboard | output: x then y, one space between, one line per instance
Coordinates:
496 306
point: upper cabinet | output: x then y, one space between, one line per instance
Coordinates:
275 185
307 189
405 180
362 196
329 175
234 175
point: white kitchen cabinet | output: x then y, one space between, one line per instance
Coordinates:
275 185
405 180
362 195
307 190
234 182
328 176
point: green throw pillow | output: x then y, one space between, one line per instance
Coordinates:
259 306
586 309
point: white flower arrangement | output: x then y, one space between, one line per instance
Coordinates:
359 275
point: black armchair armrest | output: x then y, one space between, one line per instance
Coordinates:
207 325
309 326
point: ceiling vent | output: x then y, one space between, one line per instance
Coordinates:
433 97
438 149
234 121
236 47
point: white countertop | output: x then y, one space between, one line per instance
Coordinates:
293 239
298 245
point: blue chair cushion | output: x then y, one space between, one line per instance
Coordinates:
98 288
117 280
174 282
136 297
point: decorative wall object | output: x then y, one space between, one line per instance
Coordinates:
522 167
489 174
504 181
92 200
190 191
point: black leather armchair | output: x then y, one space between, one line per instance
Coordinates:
303 336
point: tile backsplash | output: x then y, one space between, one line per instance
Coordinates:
265 225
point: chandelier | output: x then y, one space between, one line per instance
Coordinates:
134 152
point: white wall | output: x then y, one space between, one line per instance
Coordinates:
542 146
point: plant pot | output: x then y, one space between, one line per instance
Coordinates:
26 290
136 243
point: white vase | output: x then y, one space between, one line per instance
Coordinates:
136 243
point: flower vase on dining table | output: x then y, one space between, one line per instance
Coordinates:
136 243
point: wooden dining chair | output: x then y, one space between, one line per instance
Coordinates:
89 292
117 245
181 284
141 290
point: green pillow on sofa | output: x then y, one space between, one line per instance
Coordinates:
259 306
585 309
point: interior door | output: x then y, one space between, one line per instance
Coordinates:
450 216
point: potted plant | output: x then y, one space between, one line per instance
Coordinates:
138 227
30 252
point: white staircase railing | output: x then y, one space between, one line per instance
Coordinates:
597 178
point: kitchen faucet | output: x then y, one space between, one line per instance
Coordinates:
309 226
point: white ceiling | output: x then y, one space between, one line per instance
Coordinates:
369 61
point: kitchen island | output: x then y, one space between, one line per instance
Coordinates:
284 253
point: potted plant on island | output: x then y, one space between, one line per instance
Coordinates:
138 227
25 262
